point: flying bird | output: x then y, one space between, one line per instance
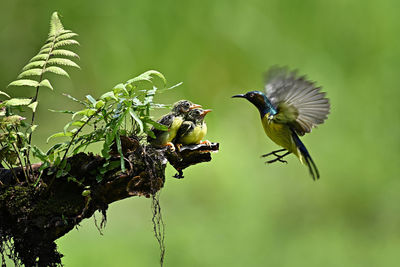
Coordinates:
173 121
290 107
193 130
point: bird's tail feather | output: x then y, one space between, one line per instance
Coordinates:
307 158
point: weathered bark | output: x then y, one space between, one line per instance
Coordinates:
35 216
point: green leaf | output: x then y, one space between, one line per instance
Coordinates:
33 106
57 70
157 125
91 99
39 153
76 100
45 51
3 93
46 83
39 57
31 72
48 45
136 118
86 112
16 102
61 134
63 52
63 62
149 76
99 104
34 64
33 128
24 82
62 111
66 36
119 149
66 42
109 95
55 25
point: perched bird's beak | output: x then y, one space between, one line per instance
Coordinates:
241 95
205 112
193 106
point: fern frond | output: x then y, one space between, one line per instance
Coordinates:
39 57
3 93
66 42
63 52
48 45
65 36
31 72
24 82
63 62
45 51
39 63
57 70
46 83
55 25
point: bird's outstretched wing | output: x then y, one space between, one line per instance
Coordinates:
298 101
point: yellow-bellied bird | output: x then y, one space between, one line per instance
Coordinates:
193 130
173 121
291 106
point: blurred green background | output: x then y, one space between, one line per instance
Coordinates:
236 211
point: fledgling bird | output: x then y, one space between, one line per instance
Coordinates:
291 106
173 121
194 128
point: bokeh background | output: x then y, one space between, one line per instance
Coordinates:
236 211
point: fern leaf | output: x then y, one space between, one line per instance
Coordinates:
57 70
63 62
48 45
63 52
66 42
65 36
39 57
17 102
33 106
55 25
31 72
46 83
24 82
33 64
3 93
44 51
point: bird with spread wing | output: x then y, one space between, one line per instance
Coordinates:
290 107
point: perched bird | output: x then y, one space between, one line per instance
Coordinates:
291 106
193 129
173 121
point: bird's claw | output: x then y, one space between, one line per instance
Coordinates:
206 142
171 146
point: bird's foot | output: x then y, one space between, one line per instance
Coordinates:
276 159
170 146
206 142
178 147
277 156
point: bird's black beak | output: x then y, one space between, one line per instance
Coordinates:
240 95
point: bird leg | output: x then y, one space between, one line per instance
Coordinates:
171 146
206 142
278 157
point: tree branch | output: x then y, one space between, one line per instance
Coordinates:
34 217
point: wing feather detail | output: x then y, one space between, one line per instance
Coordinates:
299 102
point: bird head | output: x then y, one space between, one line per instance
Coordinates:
260 100
197 114
184 106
